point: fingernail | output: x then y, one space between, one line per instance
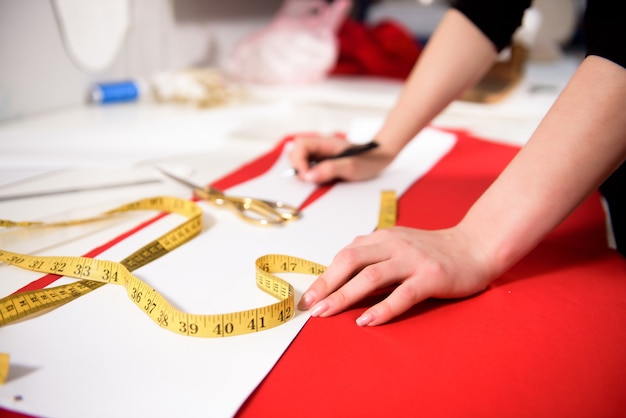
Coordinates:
305 301
309 176
364 319
319 309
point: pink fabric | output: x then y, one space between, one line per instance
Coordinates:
299 45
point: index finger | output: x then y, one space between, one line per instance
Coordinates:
308 148
347 263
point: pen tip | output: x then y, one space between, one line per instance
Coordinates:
290 172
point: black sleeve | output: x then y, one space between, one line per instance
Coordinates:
497 19
605 29
605 34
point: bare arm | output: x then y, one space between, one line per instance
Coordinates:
455 58
578 144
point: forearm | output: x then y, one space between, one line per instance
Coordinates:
455 58
578 144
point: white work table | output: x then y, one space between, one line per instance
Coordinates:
114 143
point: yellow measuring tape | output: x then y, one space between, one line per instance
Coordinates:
27 304
95 273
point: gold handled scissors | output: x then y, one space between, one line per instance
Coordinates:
255 211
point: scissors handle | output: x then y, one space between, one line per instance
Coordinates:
251 210
287 212
255 211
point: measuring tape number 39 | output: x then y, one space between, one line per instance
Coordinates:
94 273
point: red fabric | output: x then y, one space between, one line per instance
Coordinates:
386 49
548 339
545 340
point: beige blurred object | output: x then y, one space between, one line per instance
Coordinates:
560 19
503 77
201 87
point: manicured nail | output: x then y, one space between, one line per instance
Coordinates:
306 301
309 176
319 309
364 319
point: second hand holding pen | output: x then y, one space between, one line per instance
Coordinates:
348 152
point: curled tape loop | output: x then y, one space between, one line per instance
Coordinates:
93 273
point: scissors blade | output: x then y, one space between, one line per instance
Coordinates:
193 186
78 189
256 211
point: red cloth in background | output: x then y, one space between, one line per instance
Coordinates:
386 49
547 339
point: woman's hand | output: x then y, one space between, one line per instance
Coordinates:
314 147
423 264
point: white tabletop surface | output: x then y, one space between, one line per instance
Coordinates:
95 145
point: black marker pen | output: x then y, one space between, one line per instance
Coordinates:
348 152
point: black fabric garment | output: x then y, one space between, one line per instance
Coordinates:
605 24
614 192
605 36
497 19
605 29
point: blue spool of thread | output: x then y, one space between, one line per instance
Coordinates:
123 91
